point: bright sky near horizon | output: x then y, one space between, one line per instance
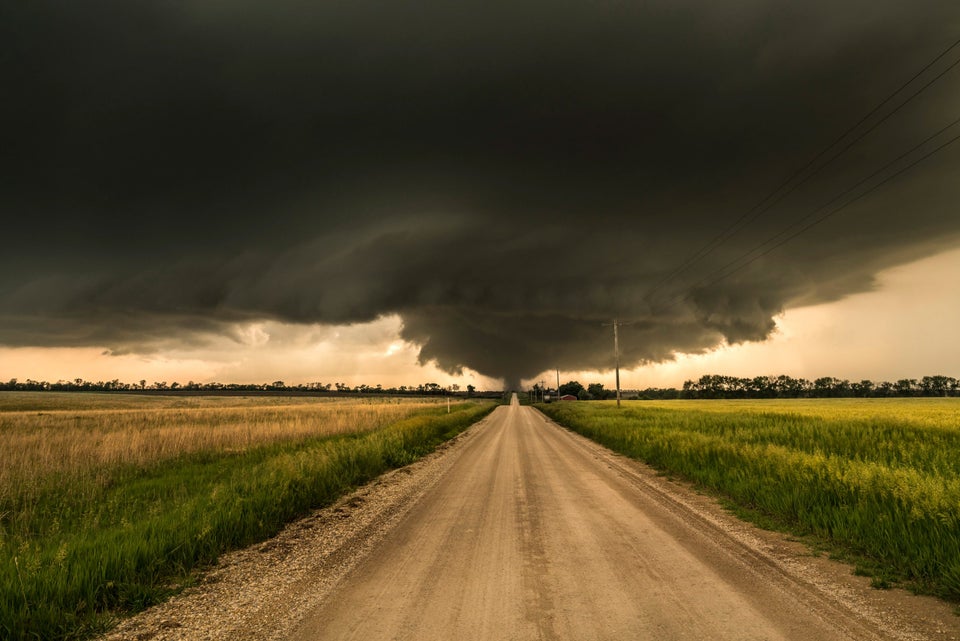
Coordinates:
876 335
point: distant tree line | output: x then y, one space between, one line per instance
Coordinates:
709 386
717 386
333 389
726 387
592 392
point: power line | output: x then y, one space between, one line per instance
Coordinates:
850 189
827 215
761 208
841 207
754 212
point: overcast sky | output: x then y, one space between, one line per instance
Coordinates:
399 192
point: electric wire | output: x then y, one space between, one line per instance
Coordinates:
840 208
763 205
845 192
829 214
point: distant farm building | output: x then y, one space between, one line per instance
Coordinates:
568 397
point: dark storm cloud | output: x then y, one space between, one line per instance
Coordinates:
505 176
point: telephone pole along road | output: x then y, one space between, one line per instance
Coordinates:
536 533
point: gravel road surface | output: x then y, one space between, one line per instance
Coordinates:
522 530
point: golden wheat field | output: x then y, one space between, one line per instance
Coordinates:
109 502
59 438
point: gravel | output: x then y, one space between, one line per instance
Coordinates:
262 592
265 591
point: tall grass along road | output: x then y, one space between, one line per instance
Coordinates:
110 503
536 533
878 479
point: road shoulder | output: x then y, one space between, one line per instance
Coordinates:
262 592
897 612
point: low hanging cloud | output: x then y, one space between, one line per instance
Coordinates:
505 177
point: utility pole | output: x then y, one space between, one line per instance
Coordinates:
558 384
616 352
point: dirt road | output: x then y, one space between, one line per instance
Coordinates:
519 529
536 534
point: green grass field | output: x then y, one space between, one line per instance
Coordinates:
877 479
109 503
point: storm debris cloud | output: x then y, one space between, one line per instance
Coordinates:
504 176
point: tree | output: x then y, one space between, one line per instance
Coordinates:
470 390
571 387
595 390
884 389
937 385
762 387
791 387
905 386
863 389
712 386
824 387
